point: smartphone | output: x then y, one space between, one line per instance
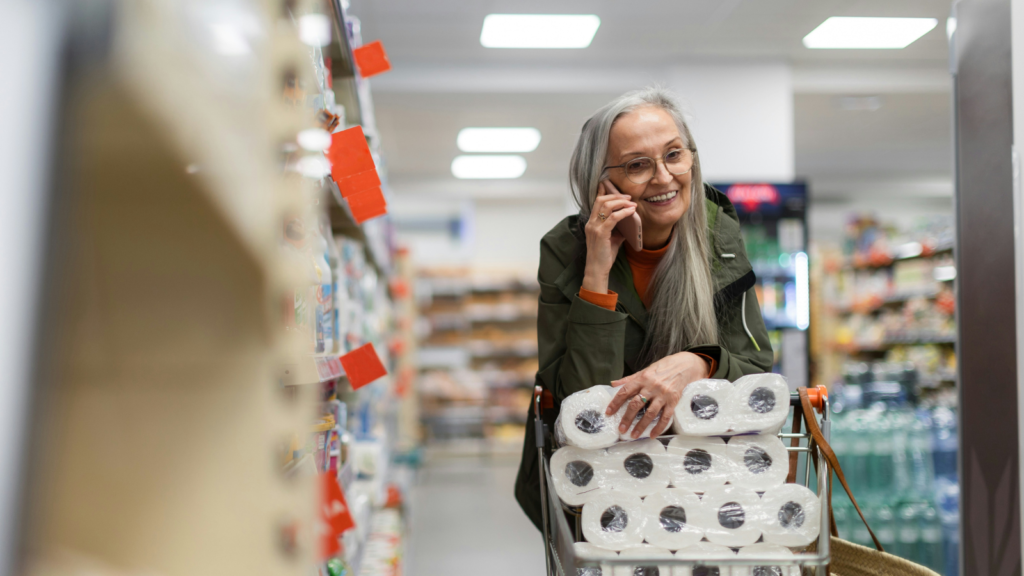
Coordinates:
630 230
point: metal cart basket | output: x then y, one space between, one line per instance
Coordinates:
559 536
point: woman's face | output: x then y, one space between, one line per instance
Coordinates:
661 202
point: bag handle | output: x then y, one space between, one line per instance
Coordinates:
830 456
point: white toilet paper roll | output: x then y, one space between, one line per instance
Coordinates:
646 552
704 550
704 409
640 467
731 515
582 421
761 404
768 551
759 462
587 551
577 473
668 519
628 434
792 515
699 462
613 520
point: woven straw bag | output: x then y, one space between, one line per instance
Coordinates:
849 559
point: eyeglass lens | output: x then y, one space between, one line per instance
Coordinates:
641 170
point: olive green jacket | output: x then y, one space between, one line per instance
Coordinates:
581 344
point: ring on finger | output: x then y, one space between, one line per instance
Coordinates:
602 216
643 400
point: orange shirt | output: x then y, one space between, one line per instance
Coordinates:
642 264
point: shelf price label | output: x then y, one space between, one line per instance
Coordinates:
352 166
371 59
334 516
362 366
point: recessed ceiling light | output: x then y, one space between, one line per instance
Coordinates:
877 33
539 30
498 139
488 167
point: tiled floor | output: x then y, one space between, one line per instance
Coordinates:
466 522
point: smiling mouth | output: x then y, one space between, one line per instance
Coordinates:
662 197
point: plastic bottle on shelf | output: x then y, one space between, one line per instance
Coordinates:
860 452
930 550
944 436
908 531
948 506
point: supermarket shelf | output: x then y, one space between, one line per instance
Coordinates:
343 71
926 253
314 369
905 339
888 301
486 349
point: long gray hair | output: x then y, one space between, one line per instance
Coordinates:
682 312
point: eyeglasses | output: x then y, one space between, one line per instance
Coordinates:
641 170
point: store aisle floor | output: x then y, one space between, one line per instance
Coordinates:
466 522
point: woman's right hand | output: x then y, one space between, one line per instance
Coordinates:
603 241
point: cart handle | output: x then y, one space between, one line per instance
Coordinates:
817 395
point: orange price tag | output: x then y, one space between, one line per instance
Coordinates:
362 366
334 516
349 154
371 59
367 204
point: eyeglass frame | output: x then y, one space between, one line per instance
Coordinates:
656 160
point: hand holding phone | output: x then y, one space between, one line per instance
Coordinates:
630 228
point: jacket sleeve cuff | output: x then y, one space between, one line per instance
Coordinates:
711 362
606 301
583 312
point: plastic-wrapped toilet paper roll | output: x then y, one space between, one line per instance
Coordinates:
613 520
760 404
582 421
577 473
759 462
792 515
731 515
645 551
702 550
591 552
640 467
704 409
762 550
698 462
628 434
668 519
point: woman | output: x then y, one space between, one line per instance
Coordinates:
647 322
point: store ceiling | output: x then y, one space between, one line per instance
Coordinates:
443 80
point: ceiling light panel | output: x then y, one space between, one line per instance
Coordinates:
490 167
498 139
539 30
840 32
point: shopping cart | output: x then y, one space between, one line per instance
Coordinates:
559 536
